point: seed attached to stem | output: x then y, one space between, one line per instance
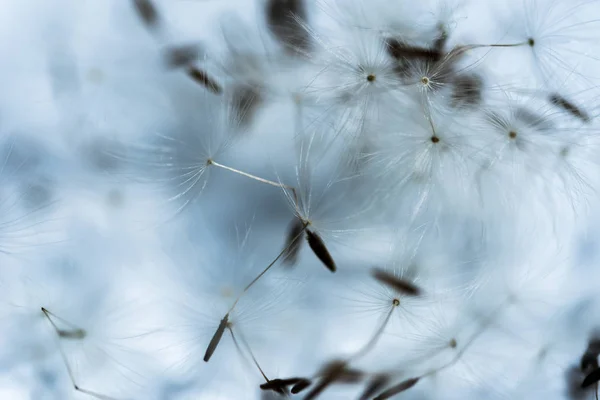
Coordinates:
318 247
399 285
214 342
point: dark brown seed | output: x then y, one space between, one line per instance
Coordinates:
282 18
589 361
181 55
400 285
401 51
75 334
376 384
318 247
591 378
293 242
278 384
147 12
569 107
214 342
203 79
399 388
467 91
300 386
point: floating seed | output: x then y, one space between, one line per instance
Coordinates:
399 388
591 378
293 244
440 42
76 334
400 285
282 18
569 107
214 342
401 52
300 386
203 79
376 384
589 361
147 12
280 384
318 247
182 55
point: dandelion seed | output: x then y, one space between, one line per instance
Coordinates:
76 334
293 244
401 52
285 20
281 385
569 107
147 12
301 385
182 55
375 385
400 285
591 378
203 79
214 342
399 388
318 247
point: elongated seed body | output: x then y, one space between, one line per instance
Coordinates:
399 285
214 342
399 388
203 79
318 247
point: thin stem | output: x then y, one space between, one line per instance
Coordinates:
256 178
249 351
373 341
47 314
470 342
267 268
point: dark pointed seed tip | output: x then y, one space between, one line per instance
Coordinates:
181 55
203 79
318 247
591 378
214 342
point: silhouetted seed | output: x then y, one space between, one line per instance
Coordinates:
399 388
569 107
467 91
401 52
591 378
300 386
282 19
147 12
182 55
318 247
293 242
589 361
214 342
376 384
400 285
246 100
76 334
203 79
280 385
